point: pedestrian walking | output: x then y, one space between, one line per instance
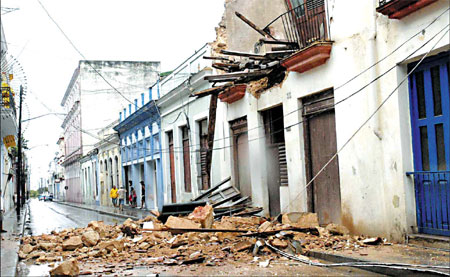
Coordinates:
113 195
142 194
121 195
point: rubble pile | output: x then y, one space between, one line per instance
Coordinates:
101 248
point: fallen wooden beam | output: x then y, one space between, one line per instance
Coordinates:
237 74
253 26
217 58
205 230
211 189
210 137
283 42
242 54
209 91
312 231
233 65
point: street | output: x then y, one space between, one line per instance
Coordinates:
50 216
46 217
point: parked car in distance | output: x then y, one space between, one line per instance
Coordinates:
41 197
49 197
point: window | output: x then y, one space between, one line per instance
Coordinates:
203 133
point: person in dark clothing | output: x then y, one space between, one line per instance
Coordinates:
133 197
142 194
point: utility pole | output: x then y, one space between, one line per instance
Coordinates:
19 187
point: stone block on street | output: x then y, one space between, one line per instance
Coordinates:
182 223
90 238
72 243
203 215
67 268
300 220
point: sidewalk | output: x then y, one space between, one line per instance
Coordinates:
127 212
10 241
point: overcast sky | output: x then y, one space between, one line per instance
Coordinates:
133 30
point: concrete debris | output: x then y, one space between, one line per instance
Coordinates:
47 246
90 238
67 268
27 248
336 229
301 220
256 88
203 215
278 243
182 223
373 241
108 249
72 243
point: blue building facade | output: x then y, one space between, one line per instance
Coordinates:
141 152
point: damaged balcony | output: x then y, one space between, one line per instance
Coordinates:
306 45
306 27
397 9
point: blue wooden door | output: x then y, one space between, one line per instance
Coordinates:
430 126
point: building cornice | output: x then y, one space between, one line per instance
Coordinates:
75 75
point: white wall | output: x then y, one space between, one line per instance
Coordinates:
100 104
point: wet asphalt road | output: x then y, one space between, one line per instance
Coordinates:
48 216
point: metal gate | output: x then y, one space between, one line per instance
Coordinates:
430 128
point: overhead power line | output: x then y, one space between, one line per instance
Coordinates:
364 123
81 54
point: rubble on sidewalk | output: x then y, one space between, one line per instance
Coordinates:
67 268
101 248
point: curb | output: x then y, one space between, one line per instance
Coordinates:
335 258
99 211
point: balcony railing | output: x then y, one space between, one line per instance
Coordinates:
7 100
305 24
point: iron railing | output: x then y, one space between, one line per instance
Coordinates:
432 189
305 24
7 100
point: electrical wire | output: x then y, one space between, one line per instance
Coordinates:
400 266
218 148
81 54
363 124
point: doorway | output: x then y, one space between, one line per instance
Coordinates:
126 170
430 128
324 194
241 164
172 167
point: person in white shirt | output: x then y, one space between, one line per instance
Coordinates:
121 195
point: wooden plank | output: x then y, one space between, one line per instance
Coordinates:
203 230
282 52
253 26
238 74
217 58
283 42
231 197
209 91
233 65
210 138
209 191
242 54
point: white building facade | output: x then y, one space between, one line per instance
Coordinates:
184 126
97 92
352 172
